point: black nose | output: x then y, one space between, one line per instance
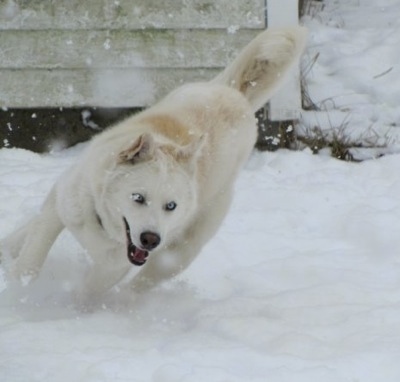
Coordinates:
149 240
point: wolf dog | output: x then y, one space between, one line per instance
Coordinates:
150 191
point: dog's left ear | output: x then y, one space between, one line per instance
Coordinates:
140 150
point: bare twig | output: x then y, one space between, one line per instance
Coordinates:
383 73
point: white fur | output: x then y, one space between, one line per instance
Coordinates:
186 149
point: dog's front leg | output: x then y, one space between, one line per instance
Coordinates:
104 273
35 240
108 262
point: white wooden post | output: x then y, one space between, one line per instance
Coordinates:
286 104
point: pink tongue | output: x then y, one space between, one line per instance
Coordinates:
139 255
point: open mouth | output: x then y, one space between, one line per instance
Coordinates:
136 255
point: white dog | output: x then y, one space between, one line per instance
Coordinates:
152 190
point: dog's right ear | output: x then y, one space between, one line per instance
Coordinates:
140 150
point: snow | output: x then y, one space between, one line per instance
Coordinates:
355 75
302 283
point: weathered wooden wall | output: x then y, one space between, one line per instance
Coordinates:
116 53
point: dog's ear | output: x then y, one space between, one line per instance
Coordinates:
140 150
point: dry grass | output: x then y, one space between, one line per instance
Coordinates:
310 7
339 144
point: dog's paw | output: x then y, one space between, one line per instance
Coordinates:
24 276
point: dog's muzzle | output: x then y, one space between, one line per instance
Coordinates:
136 256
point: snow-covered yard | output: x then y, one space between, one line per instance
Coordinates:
302 283
355 76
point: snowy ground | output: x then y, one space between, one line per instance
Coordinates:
355 76
301 284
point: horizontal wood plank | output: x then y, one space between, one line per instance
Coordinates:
120 48
83 87
128 14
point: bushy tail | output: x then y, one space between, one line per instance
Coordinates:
262 66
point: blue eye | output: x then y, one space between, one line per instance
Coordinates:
170 206
138 198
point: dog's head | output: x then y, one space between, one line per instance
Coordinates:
152 193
